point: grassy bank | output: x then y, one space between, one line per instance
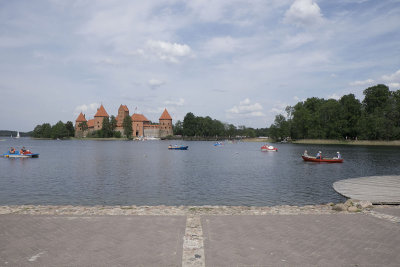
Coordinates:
347 142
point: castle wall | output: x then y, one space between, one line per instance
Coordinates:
137 128
152 131
98 123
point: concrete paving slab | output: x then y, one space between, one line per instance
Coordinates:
395 211
300 240
91 240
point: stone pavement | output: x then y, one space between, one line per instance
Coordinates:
91 241
203 237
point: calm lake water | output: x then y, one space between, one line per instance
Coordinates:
147 173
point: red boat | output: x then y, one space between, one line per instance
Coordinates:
327 160
269 148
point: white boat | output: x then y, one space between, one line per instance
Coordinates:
17 135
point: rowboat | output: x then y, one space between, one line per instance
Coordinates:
327 160
176 147
17 154
267 148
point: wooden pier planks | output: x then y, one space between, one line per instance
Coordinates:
376 189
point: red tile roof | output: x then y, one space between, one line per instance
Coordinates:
81 118
165 115
124 107
139 117
101 112
90 123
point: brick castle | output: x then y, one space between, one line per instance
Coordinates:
141 126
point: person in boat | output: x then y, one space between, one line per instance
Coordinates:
319 155
23 149
305 153
12 150
338 155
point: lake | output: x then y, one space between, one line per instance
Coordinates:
76 172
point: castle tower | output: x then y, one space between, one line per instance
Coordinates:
123 111
78 128
138 123
98 118
165 124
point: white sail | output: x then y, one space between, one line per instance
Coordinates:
17 135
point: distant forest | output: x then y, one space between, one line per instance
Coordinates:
197 127
14 133
376 117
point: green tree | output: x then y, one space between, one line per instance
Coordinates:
127 125
230 130
189 124
280 129
46 130
178 128
350 116
70 128
37 132
376 97
113 123
59 130
106 128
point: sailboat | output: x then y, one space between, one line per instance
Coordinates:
17 135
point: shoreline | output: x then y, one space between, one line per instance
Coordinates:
349 206
251 140
347 142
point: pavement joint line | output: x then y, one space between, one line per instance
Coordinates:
193 244
379 215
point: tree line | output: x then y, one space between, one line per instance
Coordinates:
205 128
59 130
376 117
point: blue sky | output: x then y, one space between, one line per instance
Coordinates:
238 61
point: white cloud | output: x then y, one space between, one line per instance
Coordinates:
361 83
89 110
246 108
334 96
394 85
394 77
225 44
154 83
178 102
298 40
279 107
303 13
170 52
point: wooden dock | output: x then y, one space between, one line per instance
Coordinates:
376 189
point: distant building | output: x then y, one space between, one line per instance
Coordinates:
141 126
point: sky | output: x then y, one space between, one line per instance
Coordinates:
238 61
